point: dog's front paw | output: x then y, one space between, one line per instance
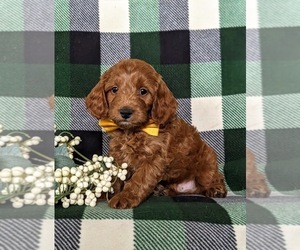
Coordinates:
216 192
121 201
259 192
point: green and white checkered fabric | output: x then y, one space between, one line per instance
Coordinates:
198 48
233 67
273 120
26 82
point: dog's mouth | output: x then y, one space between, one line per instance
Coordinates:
129 125
125 124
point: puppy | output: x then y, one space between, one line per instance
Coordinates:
172 159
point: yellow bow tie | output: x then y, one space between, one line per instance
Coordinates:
150 128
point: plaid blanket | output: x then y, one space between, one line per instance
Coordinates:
239 86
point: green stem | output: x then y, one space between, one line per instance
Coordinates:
68 133
81 155
20 133
39 154
118 167
77 159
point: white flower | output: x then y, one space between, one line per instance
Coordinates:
5 138
5 173
17 180
29 196
13 139
77 140
80 202
28 143
73 196
122 174
41 202
95 158
74 178
108 164
93 203
40 184
65 204
36 190
77 190
91 168
50 202
65 172
35 140
38 174
29 170
124 165
30 179
78 173
65 180
91 195
57 173
73 170
87 201
26 156
98 194
17 204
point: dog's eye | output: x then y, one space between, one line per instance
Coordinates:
143 91
114 90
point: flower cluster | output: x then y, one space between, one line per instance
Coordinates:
85 183
60 140
24 145
28 186
41 185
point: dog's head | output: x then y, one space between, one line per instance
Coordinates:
130 93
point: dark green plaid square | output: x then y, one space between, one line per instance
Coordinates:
83 78
233 77
62 79
233 43
177 77
145 46
62 47
235 144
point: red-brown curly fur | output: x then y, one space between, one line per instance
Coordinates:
174 162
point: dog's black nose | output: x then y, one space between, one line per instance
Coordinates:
126 113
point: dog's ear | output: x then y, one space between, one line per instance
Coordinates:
96 102
164 105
